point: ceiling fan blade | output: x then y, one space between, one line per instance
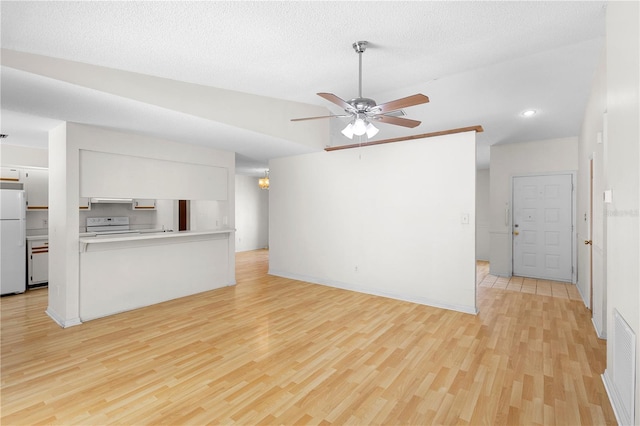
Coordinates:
336 100
405 122
322 116
402 103
396 113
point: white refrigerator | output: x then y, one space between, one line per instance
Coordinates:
13 252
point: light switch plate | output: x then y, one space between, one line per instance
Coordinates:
464 218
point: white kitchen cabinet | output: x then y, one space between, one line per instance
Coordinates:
10 174
85 203
37 262
36 185
144 204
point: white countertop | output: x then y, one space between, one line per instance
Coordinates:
88 238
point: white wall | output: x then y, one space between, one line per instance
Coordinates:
553 155
167 214
622 177
590 147
252 214
66 143
13 155
384 219
208 214
483 222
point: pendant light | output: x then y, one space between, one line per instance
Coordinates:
263 182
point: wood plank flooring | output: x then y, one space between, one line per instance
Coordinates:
277 351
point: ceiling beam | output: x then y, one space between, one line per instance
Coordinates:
408 138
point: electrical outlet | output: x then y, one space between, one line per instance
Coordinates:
45 223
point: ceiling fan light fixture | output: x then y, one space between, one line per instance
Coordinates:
348 131
371 130
359 127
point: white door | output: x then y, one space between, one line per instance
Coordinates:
543 226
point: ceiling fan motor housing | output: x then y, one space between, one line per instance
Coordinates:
361 104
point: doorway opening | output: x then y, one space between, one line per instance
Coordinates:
183 215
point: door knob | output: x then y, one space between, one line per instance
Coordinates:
516 233
588 242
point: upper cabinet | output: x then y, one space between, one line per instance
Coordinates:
10 174
85 203
142 204
36 185
150 177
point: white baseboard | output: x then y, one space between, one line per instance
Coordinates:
582 296
375 292
598 327
62 323
608 386
601 335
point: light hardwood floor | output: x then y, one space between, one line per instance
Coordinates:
277 351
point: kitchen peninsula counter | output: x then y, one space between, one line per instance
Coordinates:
152 237
120 272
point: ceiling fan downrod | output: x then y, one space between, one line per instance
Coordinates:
360 47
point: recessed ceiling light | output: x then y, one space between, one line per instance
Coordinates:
528 113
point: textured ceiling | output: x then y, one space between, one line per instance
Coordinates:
479 63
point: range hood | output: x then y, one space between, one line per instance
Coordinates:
103 200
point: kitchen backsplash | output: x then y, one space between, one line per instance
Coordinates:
38 219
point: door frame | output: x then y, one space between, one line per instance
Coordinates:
574 233
590 235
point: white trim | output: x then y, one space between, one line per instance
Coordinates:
615 402
366 290
62 323
601 335
582 296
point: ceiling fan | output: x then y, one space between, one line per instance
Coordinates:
364 110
